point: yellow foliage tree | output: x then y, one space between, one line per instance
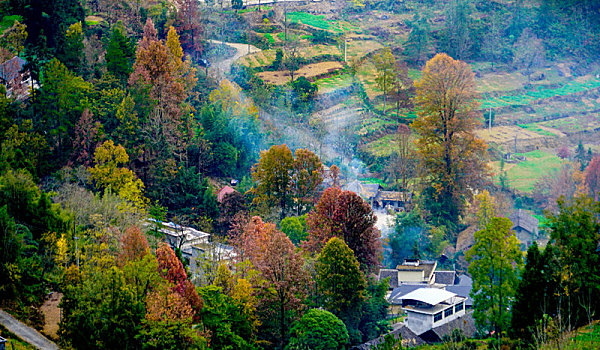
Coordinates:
108 173
230 96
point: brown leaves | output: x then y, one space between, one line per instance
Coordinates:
345 215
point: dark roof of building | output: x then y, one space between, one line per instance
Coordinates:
10 69
365 190
392 274
394 196
466 324
409 339
521 218
446 277
402 290
462 291
464 280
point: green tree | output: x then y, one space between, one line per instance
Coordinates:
119 54
385 77
494 263
225 320
340 284
538 291
294 228
452 157
73 53
318 330
576 232
418 43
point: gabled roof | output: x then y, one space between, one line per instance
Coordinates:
445 277
392 274
10 69
466 324
399 292
521 218
431 296
409 339
366 190
224 191
462 291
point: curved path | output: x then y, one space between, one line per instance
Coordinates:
218 69
25 332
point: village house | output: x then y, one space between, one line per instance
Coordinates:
411 271
427 308
380 199
16 79
525 227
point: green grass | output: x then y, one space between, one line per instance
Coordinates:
540 93
319 22
334 82
535 128
524 174
270 38
8 21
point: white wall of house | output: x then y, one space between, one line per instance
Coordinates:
419 322
411 276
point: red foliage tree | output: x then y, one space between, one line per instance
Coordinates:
345 215
190 26
171 269
282 268
87 137
592 177
134 245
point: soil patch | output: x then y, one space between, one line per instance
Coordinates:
52 315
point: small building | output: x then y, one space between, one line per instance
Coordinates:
525 227
399 201
411 271
223 192
182 237
378 198
2 343
16 79
427 308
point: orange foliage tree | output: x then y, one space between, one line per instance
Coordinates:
451 155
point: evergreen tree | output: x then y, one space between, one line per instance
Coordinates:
119 54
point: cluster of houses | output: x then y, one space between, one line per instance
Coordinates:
378 198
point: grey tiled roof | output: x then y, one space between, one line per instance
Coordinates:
392 274
446 277
521 218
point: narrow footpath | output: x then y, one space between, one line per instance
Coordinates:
25 332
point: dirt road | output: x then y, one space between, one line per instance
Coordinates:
218 69
25 332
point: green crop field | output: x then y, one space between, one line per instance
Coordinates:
536 128
334 82
540 93
319 22
522 176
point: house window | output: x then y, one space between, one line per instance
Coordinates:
448 312
459 307
437 317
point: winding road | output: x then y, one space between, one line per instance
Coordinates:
25 332
218 69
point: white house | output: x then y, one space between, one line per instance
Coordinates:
427 308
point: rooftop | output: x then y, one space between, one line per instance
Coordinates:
521 218
431 296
